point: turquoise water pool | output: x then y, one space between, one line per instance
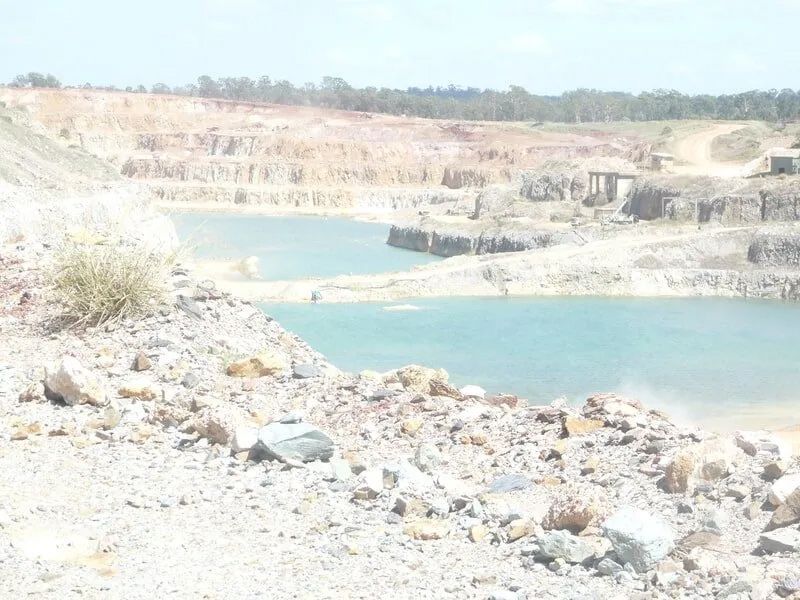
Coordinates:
723 362
296 247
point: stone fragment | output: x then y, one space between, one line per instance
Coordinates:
787 513
340 469
701 559
427 458
294 442
574 426
562 544
590 465
190 380
638 537
141 362
71 383
473 391
244 438
601 406
705 462
577 507
783 487
774 470
509 483
786 539
738 491
218 423
477 533
438 387
306 371
761 443
520 528
141 389
418 379
370 485
608 567
427 529
411 426
32 393
264 364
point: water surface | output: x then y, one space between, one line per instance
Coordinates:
296 247
723 362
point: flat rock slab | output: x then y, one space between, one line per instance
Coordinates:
306 371
780 540
509 483
294 442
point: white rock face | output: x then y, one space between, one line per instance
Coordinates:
70 382
244 438
639 537
783 487
473 391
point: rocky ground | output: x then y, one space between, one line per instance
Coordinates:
204 451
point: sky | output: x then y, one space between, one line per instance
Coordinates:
546 46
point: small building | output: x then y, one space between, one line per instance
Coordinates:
784 161
661 161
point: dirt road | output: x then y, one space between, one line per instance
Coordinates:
695 151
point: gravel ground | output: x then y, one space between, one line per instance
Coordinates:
429 492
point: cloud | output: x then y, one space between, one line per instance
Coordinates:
745 62
597 6
370 10
525 43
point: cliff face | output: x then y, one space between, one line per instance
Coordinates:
455 243
717 200
781 249
201 150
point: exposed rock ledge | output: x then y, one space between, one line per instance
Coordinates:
454 243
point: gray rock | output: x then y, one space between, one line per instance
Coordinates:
427 457
562 544
383 394
788 586
190 380
786 539
509 483
608 567
294 442
306 371
638 537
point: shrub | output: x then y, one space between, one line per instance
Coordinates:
99 284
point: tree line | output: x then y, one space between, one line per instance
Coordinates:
455 102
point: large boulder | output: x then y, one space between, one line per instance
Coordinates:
783 487
639 538
69 382
707 461
218 423
787 513
564 545
611 407
576 507
786 539
289 442
264 364
418 379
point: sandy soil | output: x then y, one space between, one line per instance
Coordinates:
695 151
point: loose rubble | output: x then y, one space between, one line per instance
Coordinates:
200 442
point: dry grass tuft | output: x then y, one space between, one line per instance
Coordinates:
98 284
